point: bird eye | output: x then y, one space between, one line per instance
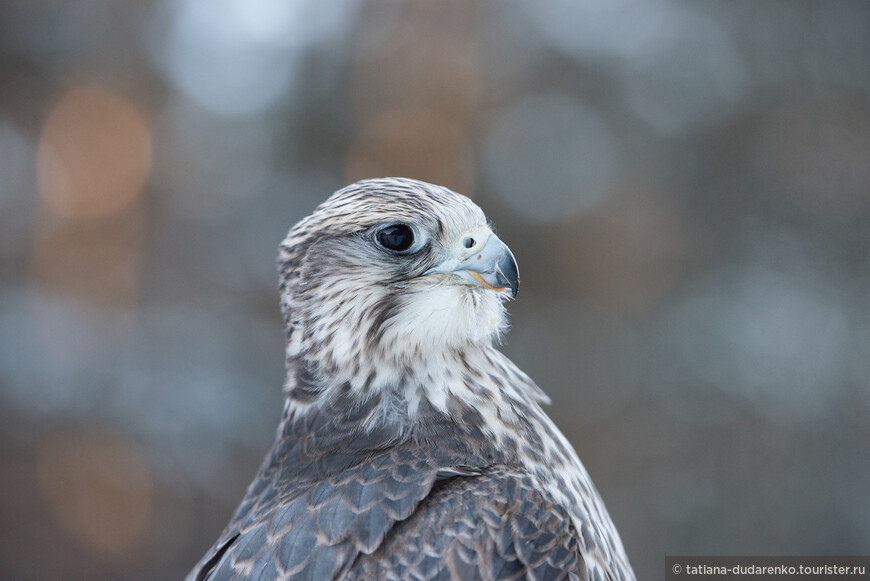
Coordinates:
397 237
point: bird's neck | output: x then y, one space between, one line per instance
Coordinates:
474 386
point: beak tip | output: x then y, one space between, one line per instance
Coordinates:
508 272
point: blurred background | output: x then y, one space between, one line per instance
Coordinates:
686 187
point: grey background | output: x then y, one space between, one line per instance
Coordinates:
685 185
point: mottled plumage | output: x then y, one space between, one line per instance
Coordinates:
409 448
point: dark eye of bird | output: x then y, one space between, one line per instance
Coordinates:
397 237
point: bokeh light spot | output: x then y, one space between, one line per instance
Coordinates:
240 57
94 154
549 156
99 487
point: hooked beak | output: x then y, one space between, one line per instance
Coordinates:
488 262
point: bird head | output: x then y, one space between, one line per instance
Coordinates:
390 270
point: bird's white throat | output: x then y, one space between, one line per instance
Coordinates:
436 343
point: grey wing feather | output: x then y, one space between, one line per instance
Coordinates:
313 530
498 526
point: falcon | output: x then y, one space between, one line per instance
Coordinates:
409 447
